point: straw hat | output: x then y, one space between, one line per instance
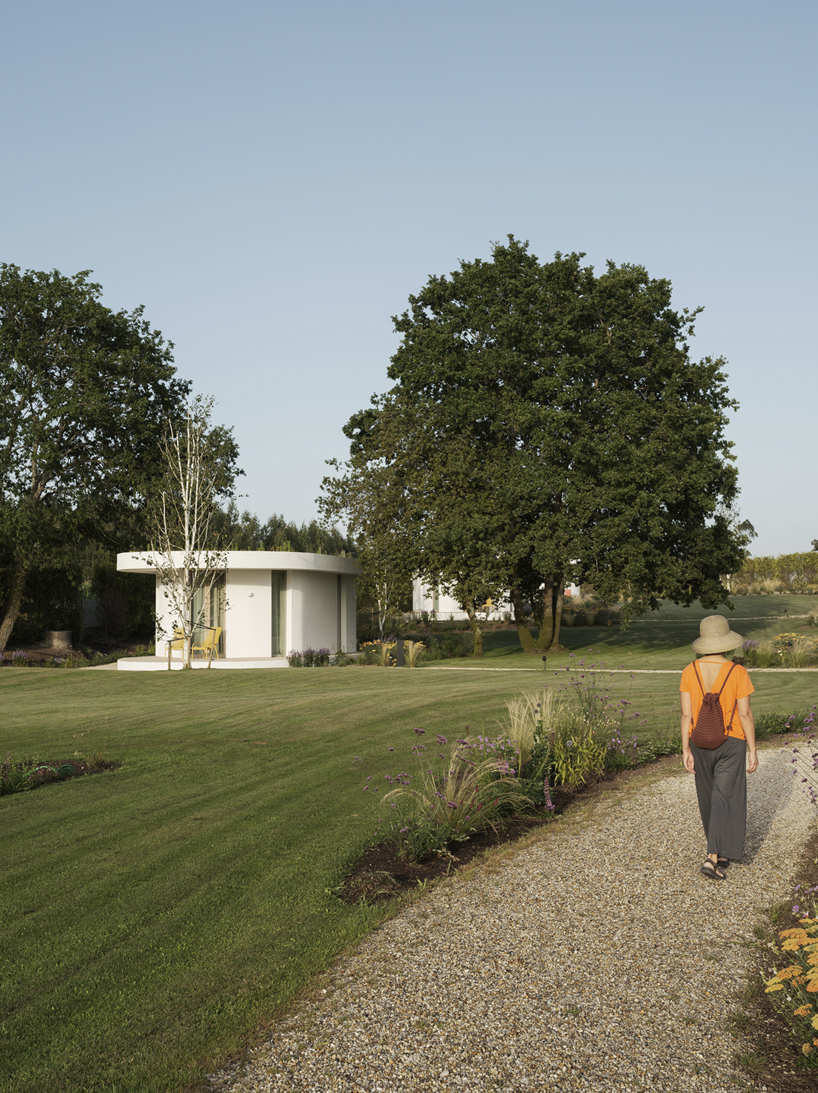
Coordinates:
716 636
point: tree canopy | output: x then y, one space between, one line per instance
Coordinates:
373 505
546 425
84 394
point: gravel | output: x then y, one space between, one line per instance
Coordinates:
597 958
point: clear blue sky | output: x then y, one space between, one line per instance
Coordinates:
272 180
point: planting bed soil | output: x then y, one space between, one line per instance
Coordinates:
380 875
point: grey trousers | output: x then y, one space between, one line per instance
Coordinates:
721 789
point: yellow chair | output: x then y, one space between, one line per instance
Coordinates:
210 646
177 643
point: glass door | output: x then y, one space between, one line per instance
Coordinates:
213 614
278 612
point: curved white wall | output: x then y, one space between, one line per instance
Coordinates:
320 601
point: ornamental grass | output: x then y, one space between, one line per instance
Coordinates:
451 796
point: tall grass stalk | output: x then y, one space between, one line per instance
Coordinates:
441 804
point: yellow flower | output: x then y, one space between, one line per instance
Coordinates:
780 986
791 944
813 1022
803 1011
806 1048
812 986
789 973
812 958
798 932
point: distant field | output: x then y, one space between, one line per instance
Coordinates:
660 639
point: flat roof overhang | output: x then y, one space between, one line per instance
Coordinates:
142 561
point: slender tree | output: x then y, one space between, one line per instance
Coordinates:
199 469
84 392
372 504
547 424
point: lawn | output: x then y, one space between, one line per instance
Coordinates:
156 915
659 639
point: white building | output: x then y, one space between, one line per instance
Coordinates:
444 606
266 604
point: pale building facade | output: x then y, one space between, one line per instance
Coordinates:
428 599
266 604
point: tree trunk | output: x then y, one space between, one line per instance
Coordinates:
524 634
476 630
18 584
548 639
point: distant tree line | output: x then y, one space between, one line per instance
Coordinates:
792 572
244 531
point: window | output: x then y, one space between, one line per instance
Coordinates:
278 612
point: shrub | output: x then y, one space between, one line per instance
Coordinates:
379 652
309 658
28 773
450 796
571 736
804 747
762 654
775 724
448 645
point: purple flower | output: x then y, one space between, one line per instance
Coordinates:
419 732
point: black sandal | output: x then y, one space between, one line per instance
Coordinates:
710 869
722 863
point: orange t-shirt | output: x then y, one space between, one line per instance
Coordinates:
738 686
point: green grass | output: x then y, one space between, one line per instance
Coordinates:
659 639
155 916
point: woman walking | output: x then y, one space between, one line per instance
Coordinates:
721 781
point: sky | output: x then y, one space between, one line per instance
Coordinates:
273 180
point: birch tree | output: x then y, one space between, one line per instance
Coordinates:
199 469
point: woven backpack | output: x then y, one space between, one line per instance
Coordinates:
709 731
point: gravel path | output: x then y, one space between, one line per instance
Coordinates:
597 959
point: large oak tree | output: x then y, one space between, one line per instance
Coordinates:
84 396
548 424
